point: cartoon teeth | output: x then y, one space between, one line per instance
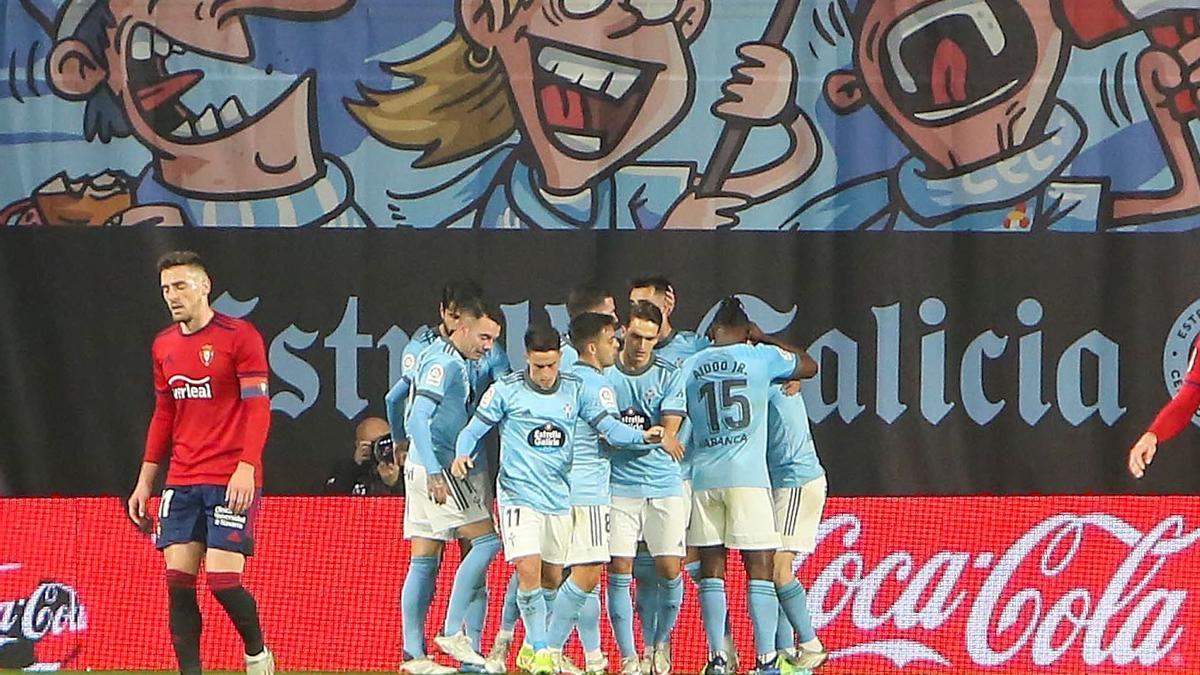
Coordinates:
146 43
611 79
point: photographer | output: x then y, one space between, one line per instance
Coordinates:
374 469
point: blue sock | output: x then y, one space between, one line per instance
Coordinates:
764 614
533 613
794 603
693 570
477 614
670 595
589 622
784 637
712 610
551 597
620 612
466 580
647 596
509 613
415 598
565 614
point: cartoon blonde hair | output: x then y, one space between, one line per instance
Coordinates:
458 104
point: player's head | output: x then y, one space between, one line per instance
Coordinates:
731 324
185 284
590 298
365 435
542 353
454 294
594 336
656 290
641 333
479 326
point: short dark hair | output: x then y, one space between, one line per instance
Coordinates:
731 314
585 298
458 292
659 283
587 327
647 311
542 338
178 258
478 308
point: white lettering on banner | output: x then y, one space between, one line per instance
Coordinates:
1004 620
52 609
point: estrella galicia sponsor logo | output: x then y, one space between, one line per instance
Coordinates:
547 436
634 418
184 387
1179 349
50 610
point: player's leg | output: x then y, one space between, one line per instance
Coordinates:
751 529
691 564
706 532
664 531
497 658
230 540
420 581
181 537
646 600
555 542
587 553
595 663
798 513
465 511
626 519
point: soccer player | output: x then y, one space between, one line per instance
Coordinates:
728 386
674 345
798 487
648 503
537 411
1171 420
438 507
211 416
581 300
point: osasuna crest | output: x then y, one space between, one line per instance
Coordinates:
206 355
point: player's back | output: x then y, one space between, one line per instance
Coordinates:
679 346
791 454
441 375
727 391
643 397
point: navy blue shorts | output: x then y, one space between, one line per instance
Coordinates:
198 513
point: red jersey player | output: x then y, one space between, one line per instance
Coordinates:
211 416
1170 420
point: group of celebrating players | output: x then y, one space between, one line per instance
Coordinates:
631 447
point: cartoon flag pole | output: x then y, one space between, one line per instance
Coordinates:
734 135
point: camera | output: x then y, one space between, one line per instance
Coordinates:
383 450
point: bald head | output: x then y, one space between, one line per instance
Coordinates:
370 429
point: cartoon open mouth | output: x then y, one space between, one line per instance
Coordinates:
588 100
157 91
946 60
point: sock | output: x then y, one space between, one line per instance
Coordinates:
509 614
477 614
239 605
565 614
466 580
647 596
533 612
712 610
589 622
784 636
415 598
670 595
794 603
184 620
764 614
693 571
551 597
620 612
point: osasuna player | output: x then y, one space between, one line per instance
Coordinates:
537 411
1171 420
674 345
437 507
798 486
211 416
728 386
649 503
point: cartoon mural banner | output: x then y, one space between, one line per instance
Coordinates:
1007 116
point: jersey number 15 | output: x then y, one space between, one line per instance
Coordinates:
731 410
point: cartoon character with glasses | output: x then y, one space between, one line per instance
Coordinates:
589 86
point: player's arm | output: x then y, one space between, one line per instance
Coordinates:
158 447
618 434
466 447
394 407
805 367
1172 419
421 445
671 424
251 369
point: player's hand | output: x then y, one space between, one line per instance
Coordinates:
1142 453
137 507
461 466
672 446
654 434
239 494
389 473
438 488
791 387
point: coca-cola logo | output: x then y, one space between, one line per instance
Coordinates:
1048 598
50 609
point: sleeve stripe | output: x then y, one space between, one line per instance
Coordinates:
681 413
485 419
432 396
596 420
253 387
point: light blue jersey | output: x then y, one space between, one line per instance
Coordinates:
493 366
791 454
679 345
568 354
727 390
590 465
442 377
643 398
398 395
537 434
